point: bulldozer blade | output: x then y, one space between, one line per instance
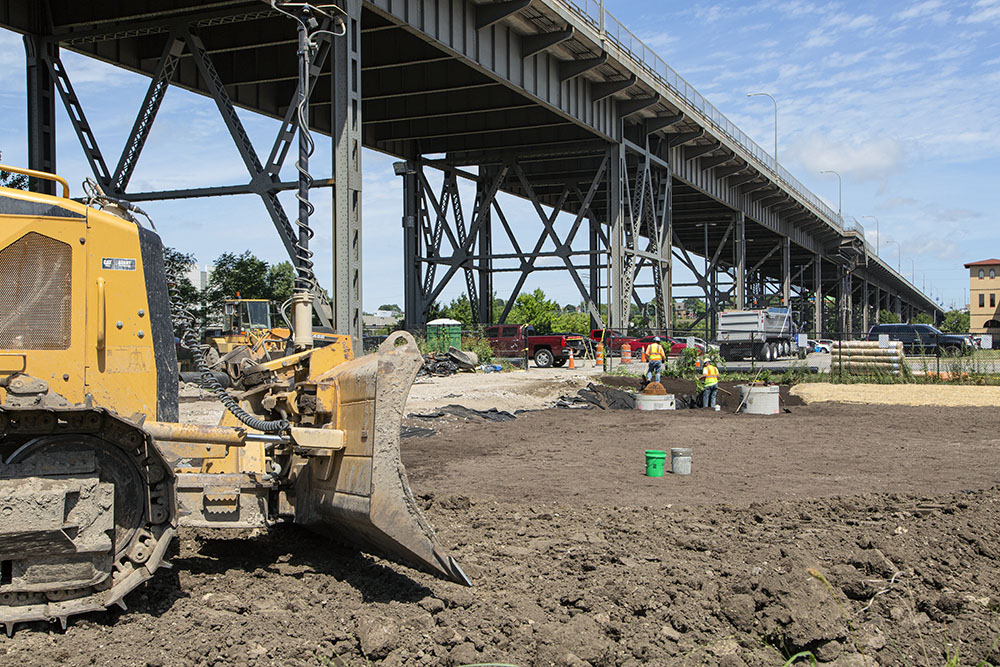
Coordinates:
359 494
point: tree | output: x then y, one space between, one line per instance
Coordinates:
534 309
244 276
955 321
922 318
184 294
888 317
16 181
390 307
460 309
572 323
281 282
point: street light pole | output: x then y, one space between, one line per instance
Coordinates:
840 192
899 256
775 102
878 236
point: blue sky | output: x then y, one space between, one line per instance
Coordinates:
901 98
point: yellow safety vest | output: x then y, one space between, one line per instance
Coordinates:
711 375
655 352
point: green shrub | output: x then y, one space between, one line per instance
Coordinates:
480 346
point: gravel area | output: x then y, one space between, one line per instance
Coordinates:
900 394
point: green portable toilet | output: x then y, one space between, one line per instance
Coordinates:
444 333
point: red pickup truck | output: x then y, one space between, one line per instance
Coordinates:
613 341
510 341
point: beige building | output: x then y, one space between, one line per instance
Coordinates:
984 296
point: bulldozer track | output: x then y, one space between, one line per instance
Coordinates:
114 467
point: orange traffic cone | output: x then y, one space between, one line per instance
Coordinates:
571 365
643 355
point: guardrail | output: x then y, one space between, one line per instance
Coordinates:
593 12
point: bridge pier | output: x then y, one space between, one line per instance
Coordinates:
818 293
41 109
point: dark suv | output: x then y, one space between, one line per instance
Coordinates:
922 339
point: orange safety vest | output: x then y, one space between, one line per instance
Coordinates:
711 375
655 352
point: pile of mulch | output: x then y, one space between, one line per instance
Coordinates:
654 389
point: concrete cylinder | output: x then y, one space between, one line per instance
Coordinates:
655 402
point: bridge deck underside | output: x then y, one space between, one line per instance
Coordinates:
419 101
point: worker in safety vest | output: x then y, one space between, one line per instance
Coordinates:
656 357
710 378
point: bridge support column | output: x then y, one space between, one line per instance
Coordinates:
594 277
847 306
415 312
619 302
786 272
483 206
864 313
346 288
818 293
741 261
41 110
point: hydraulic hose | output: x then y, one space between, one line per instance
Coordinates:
189 341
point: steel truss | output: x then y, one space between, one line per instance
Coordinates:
647 238
47 76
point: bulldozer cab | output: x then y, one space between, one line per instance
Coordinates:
241 315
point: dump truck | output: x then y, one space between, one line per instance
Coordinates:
96 472
765 335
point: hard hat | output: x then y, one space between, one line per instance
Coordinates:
656 338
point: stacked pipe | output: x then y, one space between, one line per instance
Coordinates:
862 357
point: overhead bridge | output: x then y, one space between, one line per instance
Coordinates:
554 101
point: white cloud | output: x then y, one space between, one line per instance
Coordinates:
871 157
919 10
984 11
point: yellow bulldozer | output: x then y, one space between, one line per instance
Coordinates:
247 328
246 323
96 473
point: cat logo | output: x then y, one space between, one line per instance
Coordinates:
117 264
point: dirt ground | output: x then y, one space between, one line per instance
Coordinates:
866 534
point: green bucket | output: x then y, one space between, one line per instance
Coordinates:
655 460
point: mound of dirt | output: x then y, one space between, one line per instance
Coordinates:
654 389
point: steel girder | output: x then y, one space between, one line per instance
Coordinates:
45 67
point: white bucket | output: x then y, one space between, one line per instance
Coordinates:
680 461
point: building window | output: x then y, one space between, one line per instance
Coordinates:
993 300
982 300
993 274
982 274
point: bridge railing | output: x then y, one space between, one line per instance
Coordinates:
603 21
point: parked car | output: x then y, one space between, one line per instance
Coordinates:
672 347
819 346
922 339
613 340
513 341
